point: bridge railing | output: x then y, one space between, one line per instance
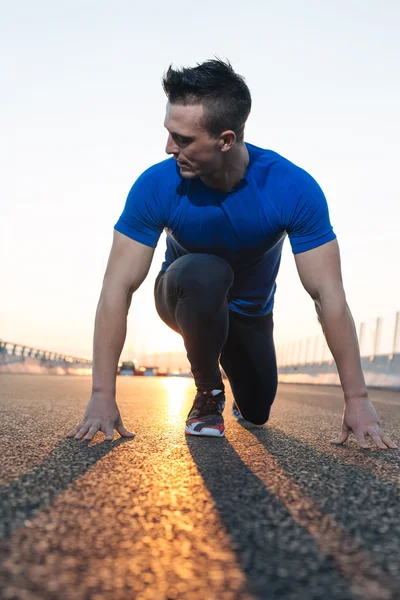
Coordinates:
12 352
379 340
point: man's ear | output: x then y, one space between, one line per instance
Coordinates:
227 140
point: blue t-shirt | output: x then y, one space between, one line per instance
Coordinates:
246 226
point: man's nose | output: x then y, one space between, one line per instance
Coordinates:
171 147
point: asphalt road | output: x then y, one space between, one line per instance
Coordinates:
266 513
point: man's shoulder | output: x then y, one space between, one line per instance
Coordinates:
263 157
161 174
268 162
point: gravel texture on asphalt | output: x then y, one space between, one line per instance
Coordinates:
264 513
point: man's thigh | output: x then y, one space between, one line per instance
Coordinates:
249 361
165 301
201 280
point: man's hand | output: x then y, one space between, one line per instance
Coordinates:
101 414
361 419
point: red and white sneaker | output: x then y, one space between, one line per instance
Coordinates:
205 416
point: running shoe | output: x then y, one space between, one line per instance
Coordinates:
236 412
205 416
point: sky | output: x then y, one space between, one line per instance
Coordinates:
81 117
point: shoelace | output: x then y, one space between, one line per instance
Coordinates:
206 402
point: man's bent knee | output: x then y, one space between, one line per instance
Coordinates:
256 418
202 268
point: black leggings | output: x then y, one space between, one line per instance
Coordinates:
192 298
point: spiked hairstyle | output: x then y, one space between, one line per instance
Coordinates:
222 92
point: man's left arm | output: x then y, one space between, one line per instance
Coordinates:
320 274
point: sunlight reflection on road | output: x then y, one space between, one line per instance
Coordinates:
177 388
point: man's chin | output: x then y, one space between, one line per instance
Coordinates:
186 174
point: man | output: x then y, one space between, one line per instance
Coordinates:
227 207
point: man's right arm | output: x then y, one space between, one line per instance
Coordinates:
128 265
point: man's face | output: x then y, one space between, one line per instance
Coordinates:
196 153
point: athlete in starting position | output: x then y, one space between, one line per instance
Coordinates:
226 207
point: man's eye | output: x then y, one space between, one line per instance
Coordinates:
181 140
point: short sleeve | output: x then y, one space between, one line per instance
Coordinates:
307 222
142 218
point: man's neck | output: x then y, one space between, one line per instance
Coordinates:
232 172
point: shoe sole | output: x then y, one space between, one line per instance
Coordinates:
207 432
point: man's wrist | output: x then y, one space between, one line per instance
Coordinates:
358 395
102 391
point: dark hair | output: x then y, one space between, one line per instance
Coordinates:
222 92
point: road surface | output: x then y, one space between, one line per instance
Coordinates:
270 513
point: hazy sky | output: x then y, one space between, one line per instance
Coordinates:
81 117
